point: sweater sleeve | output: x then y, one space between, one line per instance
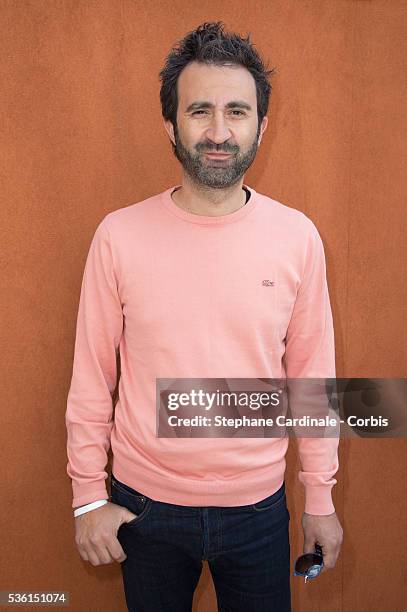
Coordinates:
310 353
89 412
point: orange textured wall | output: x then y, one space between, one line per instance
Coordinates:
82 134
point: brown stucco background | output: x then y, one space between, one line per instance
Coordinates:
82 135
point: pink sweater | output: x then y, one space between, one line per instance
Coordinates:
181 295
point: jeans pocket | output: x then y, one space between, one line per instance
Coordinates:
129 498
272 501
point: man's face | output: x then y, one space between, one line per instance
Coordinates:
208 123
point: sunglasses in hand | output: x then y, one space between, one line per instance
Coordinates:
309 565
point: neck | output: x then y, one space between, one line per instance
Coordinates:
207 201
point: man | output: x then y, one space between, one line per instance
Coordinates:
207 279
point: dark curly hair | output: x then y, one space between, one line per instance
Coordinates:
210 44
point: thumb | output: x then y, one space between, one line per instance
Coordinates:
309 546
128 516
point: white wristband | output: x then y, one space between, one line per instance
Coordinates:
92 506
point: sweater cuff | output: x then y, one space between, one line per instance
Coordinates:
85 494
318 500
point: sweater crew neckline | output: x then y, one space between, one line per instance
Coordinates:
173 208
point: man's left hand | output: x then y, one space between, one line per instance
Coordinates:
326 531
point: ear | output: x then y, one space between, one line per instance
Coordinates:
169 128
263 128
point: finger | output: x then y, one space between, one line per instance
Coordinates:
329 560
93 557
83 553
116 551
104 555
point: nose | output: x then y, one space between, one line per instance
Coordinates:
218 130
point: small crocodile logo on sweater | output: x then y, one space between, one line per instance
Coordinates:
268 283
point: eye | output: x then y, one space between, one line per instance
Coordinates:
233 111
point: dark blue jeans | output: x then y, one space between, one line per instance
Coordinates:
247 549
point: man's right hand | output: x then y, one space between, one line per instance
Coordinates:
96 533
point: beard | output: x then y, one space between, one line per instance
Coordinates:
213 173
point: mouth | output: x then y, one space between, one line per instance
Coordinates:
218 155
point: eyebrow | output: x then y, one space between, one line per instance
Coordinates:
204 104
